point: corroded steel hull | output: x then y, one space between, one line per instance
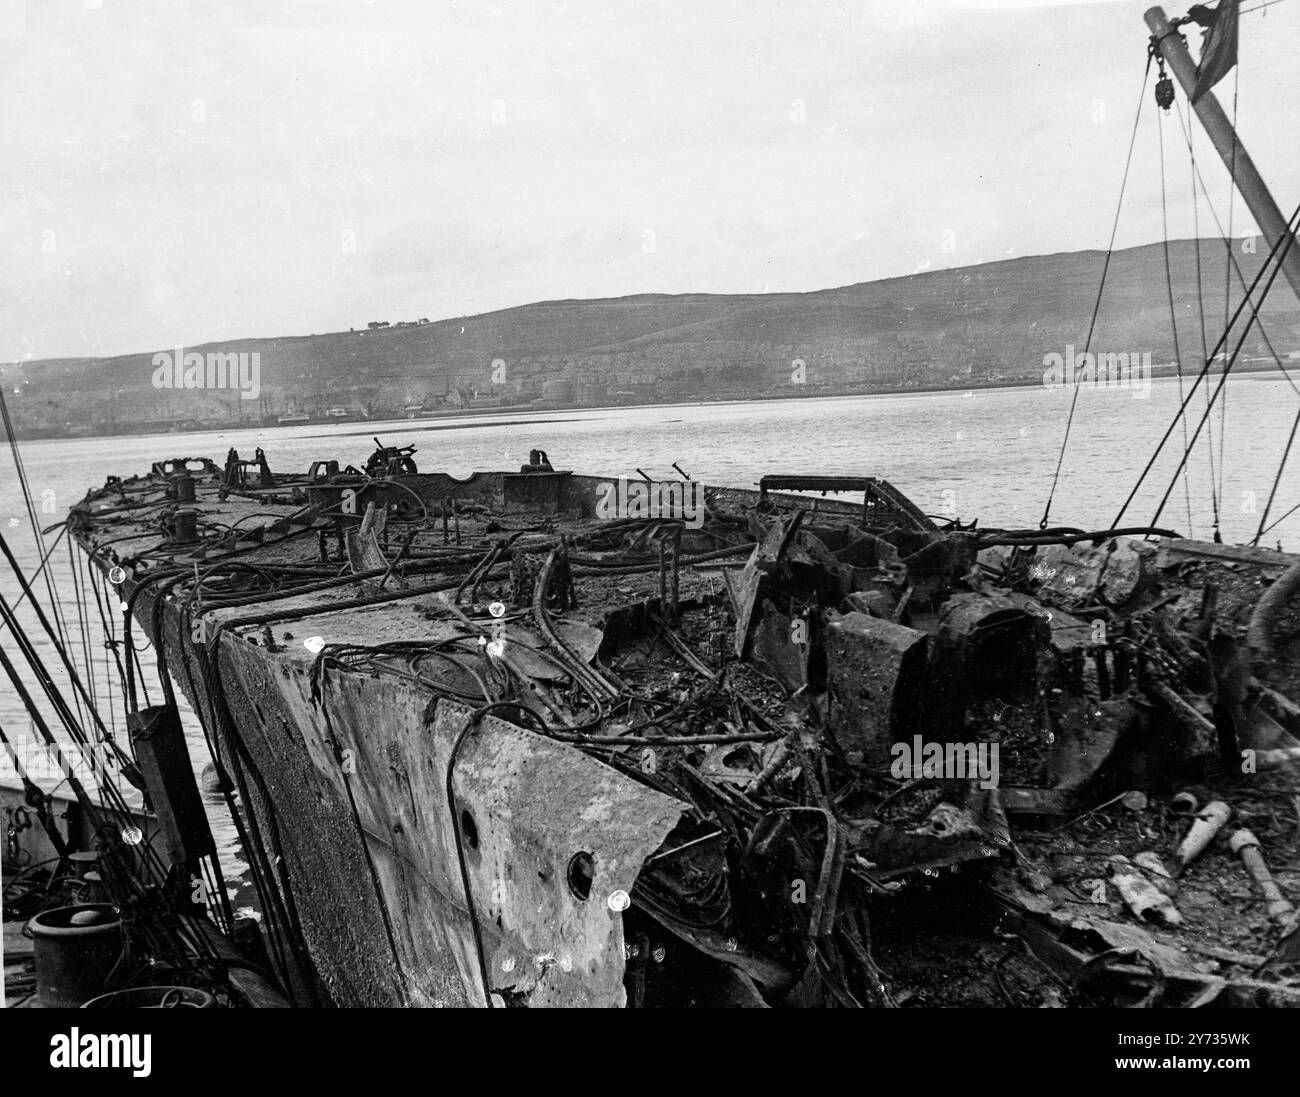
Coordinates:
497 745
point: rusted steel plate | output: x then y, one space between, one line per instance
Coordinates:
875 674
525 804
764 559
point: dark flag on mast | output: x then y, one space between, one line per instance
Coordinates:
1218 47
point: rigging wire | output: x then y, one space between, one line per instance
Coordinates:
39 536
109 633
79 599
1096 308
1234 267
1200 310
64 712
1273 525
43 729
37 573
111 801
257 862
1227 275
58 646
129 889
1283 242
285 929
1277 479
1173 310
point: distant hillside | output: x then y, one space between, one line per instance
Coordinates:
952 327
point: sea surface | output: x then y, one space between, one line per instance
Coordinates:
989 455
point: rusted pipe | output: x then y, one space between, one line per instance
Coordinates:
1246 846
589 678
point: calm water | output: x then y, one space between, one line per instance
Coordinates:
988 455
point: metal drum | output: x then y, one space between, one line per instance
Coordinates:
75 954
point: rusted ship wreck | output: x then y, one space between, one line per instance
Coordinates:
541 738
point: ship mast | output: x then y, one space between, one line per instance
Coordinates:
1171 45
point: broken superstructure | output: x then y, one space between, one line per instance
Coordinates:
518 739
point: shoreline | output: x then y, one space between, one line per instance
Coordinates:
515 412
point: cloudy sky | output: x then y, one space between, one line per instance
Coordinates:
196 171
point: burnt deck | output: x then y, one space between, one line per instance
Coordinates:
489 735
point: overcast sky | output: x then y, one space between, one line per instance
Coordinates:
189 172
